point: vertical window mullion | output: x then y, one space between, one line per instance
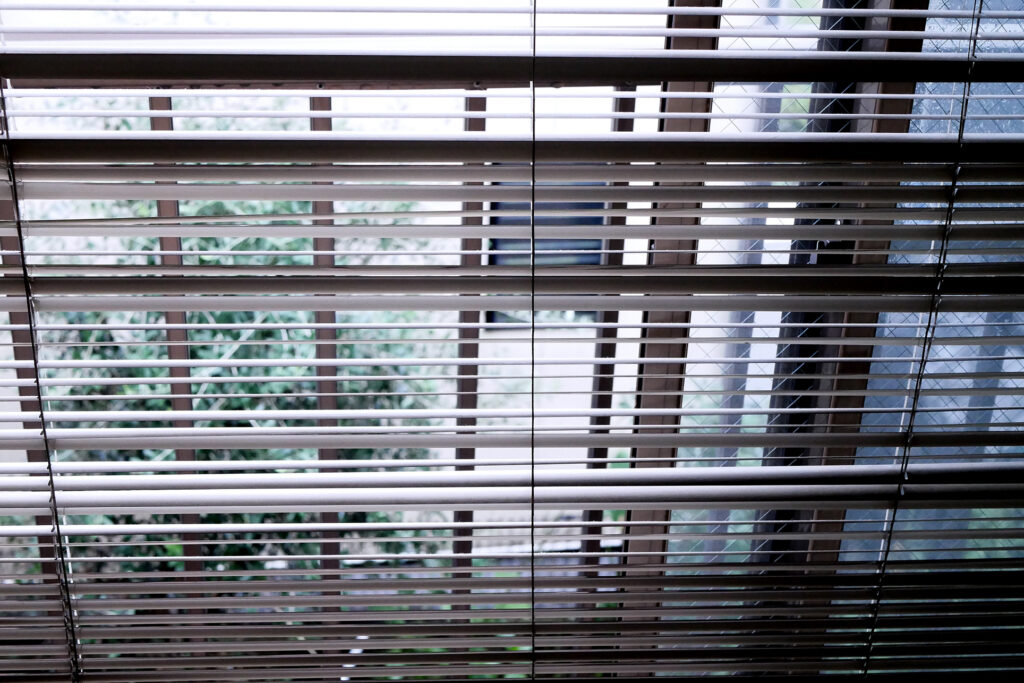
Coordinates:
605 346
325 343
177 336
467 380
660 383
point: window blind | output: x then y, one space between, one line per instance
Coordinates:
290 395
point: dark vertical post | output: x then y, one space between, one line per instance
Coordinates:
660 379
604 373
660 382
177 337
467 384
326 339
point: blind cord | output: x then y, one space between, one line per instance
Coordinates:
533 340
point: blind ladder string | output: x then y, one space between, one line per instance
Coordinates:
60 556
928 339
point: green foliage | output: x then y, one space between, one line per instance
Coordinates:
222 335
